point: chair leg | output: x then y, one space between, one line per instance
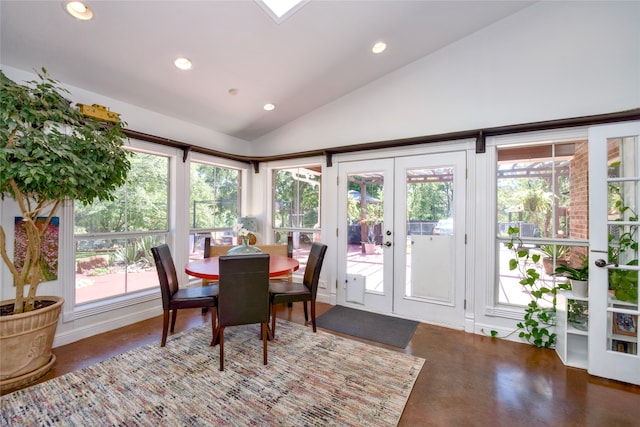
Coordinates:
173 319
165 327
214 331
313 313
306 314
263 326
221 343
273 320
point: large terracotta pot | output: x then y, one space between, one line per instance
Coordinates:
26 340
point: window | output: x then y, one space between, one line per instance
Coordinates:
296 209
214 205
113 239
542 191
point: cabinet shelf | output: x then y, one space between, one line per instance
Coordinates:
569 295
627 338
575 331
572 343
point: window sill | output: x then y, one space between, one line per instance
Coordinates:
110 304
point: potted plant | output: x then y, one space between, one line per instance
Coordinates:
369 224
50 152
578 277
551 254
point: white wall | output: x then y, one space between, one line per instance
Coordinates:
550 61
146 121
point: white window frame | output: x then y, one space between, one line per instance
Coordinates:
491 306
70 310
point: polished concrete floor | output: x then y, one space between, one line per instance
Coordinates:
467 380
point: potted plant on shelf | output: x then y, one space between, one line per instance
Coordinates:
551 253
578 277
50 153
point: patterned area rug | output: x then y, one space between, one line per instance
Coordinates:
311 379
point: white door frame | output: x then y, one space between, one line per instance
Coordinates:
451 313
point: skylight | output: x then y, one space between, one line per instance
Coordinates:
281 9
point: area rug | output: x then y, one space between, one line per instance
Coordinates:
370 326
311 379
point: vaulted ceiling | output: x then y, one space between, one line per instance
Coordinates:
242 58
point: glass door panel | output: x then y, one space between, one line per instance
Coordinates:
365 243
614 178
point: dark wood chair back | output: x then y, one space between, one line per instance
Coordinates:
174 298
313 268
281 293
243 296
166 274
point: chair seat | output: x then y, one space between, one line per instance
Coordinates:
288 292
281 291
194 297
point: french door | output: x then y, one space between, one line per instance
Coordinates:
614 180
412 210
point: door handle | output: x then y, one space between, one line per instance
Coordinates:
387 244
603 263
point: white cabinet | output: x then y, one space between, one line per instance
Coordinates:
572 344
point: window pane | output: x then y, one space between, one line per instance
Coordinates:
214 206
108 265
297 198
140 204
542 191
296 209
214 196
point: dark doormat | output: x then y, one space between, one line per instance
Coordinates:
370 326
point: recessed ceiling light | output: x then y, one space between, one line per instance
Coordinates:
269 107
78 10
183 63
379 47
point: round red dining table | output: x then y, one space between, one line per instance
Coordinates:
207 268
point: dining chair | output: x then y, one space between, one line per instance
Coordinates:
174 298
243 296
281 292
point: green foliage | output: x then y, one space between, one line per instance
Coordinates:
139 205
537 320
136 250
297 195
429 201
623 249
555 252
51 152
214 193
579 273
